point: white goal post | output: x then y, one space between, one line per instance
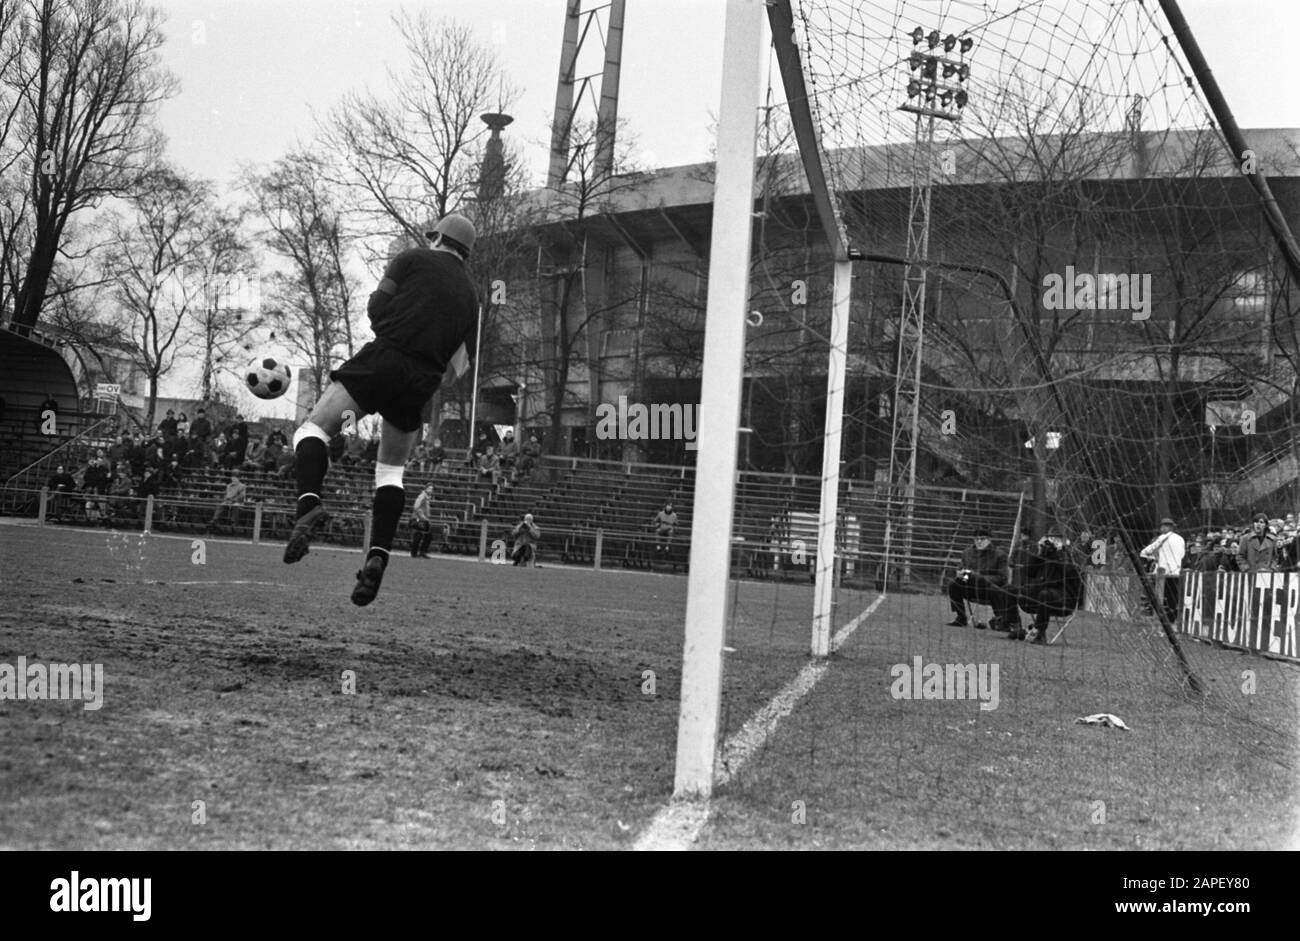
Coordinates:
708 589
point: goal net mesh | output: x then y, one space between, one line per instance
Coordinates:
1069 317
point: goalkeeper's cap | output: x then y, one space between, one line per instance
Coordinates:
981 532
456 229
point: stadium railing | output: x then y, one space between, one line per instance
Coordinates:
591 513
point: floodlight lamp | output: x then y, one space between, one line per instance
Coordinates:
949 42
967 44
933 38
917 35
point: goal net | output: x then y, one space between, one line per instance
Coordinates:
1065 317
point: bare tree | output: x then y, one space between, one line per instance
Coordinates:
80 82
311 304
146 265
230 301
412 155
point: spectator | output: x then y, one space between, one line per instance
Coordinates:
236 442
526 535
1053 586
173 476
419 458
95 485
1166 551
61 485
276 438
338 447
234 497
370 453
274 447
216 450
508 453
286 464
489 465
168 425
1208 560
437 455
1195 551
1288 549
117 452
170 444
120 490
135 456
1257 551
422 523
475 454
256 457
201 428
182 426
529 454
982 578
665 527
150 484
184 450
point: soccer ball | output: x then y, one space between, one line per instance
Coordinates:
267 378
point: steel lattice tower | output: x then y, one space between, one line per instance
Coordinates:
935 98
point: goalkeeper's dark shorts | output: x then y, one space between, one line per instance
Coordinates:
385 380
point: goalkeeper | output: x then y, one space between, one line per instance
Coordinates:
424 314
982 578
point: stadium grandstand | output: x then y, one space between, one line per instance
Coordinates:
644 260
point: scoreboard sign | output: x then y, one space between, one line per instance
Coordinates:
1255 610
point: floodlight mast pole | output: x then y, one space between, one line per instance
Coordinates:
720 398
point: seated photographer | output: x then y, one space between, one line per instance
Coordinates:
1053 588
982 578
526 535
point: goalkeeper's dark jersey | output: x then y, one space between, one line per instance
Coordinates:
434 310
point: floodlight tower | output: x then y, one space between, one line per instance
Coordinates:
931 95
577 29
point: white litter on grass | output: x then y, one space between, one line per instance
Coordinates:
1103 719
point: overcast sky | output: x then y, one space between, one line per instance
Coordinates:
252 72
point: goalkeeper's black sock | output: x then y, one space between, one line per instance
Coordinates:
313 460
385 515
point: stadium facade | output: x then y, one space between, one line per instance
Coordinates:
625 280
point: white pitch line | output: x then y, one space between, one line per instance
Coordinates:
678 825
